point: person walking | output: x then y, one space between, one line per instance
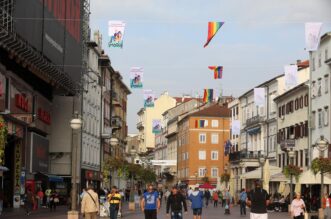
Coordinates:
207 197
90 204
196 198
242 200
176 201
215 199
53 201
258 200
114 199
297 207
150 203
29 202
48 193
40 196
326 204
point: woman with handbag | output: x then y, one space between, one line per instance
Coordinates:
298 207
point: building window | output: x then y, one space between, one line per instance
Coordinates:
319 87
214 172
326 116
313 89
326 84
306 100
319 60
279 160
313 120
202 155
214 138
202 138
214 123
326 54
313 66
214 155
184 156
202 172
320 118
301 158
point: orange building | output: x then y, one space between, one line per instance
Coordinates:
201 139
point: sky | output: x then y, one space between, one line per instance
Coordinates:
166 38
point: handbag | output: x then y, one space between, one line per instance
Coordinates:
119 214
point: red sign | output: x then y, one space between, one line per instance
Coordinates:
22 102
44 116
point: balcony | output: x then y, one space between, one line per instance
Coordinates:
254 120
239 155
328 61
140 125
116 122
287 144
115 99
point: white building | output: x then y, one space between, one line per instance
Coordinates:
320 92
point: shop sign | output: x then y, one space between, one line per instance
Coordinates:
44 116
21 100
43 112
39 156
17 168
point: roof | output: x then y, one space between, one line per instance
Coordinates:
325 36
214 110
185 99
296 88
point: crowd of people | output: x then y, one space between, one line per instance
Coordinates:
34 201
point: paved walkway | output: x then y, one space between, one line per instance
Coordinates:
208 213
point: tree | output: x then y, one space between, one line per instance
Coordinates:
292 170
3 139
225 177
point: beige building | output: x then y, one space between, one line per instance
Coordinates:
147 115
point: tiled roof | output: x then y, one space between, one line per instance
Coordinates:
214 110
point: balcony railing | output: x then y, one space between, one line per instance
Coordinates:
328 61
254 120
140 125
286 144
236 156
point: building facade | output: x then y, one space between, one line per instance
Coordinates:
201 138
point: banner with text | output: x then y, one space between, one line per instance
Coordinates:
116 33
136 77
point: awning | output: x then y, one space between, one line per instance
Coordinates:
254 130
307 177
3 168
256 174
278 177
53 178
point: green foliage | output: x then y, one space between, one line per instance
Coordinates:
3 139
292 170
225 177
321 165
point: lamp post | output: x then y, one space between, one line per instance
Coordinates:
290 154
261 161
322 144
196 177
75 124
114 143
132 203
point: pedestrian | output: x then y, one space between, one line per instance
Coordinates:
207 197
127 195
160 196
242 200
166 195
176 201
53 201
196 198
90 204
297 207
114 199
150 203
258 200
48 193
40 196
215 198
326 201
82 194
29 201
122 195
227 198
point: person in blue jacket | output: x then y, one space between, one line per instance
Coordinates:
196 197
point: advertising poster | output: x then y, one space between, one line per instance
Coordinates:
156 126
149 97
136 77
116 33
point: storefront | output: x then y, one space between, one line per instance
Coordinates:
90 177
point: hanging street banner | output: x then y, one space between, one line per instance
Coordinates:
149 97
136 77
259 97
291 76
156 126
213 27
312 35
218 71
235 128
116 33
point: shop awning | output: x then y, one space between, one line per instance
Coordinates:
256 174
53 178
307 177
3 168
278 177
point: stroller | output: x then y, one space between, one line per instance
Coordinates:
227 207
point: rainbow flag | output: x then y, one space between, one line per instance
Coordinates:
213 27
199 123
208 95
218 71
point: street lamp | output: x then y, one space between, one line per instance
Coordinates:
196 177
132 203
261 161
290 154
75 124
322 144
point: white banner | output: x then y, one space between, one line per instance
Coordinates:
312 35
259 96
116 33
235 129
136 77
291 76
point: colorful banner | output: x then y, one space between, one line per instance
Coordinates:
116 33
199 123
213 27
208 95
235 128
291 76
218 71
149 97
312 35
227 147
136 77
156 126
259 96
